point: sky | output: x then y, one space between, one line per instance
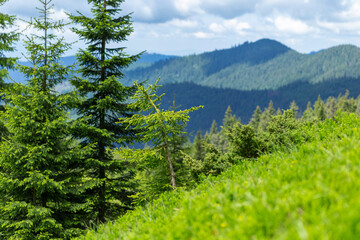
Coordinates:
184 27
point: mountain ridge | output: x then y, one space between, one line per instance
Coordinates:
264 64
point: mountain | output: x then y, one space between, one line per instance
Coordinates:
243 77
262 65
198 68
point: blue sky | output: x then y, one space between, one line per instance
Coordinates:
183 27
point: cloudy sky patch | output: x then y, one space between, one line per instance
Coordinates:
184 27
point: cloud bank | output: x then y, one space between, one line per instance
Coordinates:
186 26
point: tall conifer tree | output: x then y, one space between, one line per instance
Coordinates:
7 40
256 117
6 43
101 65
40 174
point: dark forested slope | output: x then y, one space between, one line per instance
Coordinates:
265 64
197 68
243 103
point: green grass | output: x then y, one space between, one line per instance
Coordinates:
311 192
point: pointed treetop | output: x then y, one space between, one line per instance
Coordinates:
214 128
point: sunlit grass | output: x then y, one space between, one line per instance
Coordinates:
312 192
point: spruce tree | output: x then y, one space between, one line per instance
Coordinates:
229 118
266 116
294 108
331 107
214 128
101 65
319 109
308 113
213 136
346 104
40 174
7 39
255 120
198 147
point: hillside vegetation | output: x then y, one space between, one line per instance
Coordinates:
311 192
265 64
243 103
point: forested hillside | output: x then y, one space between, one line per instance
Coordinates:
265 64
243 103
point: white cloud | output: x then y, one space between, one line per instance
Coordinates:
203 35
59 14
353 11
230 26
183 23
187 6
199 24
217 28
340 27
236 25
290 25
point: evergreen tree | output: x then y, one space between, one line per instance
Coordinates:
214 128
229 118
40 174
255 120
346 104
266 116
229 121
7 40
213 136
331 107
308 113
198 151
157 127
319 109
294 108
102 64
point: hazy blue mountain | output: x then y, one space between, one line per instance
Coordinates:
265 64
198 68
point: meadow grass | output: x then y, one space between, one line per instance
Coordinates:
310 192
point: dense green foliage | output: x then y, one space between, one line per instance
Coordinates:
309 192
163 129
100 66
243 103
40 178
7 40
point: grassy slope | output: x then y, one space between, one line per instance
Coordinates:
313 192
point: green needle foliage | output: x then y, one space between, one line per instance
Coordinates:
40 164
157 127
7 39
101 65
